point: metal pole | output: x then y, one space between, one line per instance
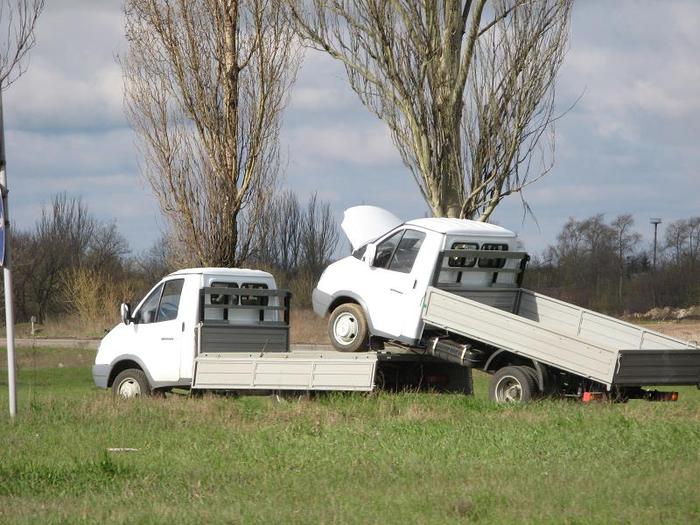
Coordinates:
7 278
655 221
656 227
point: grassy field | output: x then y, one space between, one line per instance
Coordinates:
380 458
305 327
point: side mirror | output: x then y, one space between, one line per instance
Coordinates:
125 311
370 254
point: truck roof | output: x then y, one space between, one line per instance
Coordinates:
234 272
461 227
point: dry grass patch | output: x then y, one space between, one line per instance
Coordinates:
308 328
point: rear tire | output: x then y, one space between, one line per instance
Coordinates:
512 384
130 383
347 328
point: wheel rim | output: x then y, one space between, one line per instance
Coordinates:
509 390
345 328
129 388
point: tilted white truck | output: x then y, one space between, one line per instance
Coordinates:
228 329
452 289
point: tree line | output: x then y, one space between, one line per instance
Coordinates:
70 262
605 265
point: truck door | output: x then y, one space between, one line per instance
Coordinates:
395 293
157 332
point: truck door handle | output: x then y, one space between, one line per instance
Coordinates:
167 338
397 291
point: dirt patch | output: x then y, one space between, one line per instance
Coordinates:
686 330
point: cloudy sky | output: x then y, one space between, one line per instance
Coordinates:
629 145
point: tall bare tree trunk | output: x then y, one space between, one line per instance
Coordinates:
206 84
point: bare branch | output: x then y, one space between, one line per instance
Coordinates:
18 20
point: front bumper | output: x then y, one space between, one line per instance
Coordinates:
320 301
100 375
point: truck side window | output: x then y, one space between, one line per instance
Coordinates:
254 300
170 301
385 250
463 262
493 263
147 312
216 298
407 251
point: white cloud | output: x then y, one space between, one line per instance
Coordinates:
361 145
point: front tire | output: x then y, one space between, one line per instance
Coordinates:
347 328
130 383
512 384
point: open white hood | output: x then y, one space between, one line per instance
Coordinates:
363 224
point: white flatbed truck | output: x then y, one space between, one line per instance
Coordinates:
452 289
226 329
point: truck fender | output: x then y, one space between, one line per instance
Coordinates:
346 294
342 294
128 357
535 364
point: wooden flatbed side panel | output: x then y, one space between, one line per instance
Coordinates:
538 340
306 371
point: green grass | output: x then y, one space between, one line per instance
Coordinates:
380 458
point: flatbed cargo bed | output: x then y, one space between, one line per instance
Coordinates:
564 336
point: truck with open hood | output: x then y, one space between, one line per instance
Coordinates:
452 289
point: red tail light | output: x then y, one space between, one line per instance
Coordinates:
592 396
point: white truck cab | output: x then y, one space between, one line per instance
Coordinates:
379 289
157 341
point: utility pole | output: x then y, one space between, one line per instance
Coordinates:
7 273
655 221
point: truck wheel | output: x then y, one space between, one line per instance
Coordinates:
512 384
347 328
130 383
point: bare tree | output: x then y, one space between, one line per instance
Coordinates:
206 83
296 238
319 236
18 19
465 87
626 240
60 242
676 237
289 232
